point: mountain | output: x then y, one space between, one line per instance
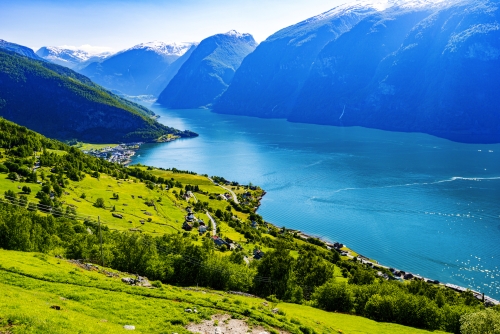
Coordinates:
60 103
22 50
144 69
270 78
74 59
412 66
208 71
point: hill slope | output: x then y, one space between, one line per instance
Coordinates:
91 302
208 71
63 104
412 66
144 69
89 208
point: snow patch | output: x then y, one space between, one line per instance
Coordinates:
164 48
236 34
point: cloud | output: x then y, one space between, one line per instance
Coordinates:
90 49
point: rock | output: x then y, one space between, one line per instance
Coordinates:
129 327
55 307
217 330
188 310
275 310
128 280
195 310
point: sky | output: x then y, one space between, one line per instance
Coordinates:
114 25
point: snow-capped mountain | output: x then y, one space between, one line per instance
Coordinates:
208 71
419 66
144 69
163 48
20 49
69 57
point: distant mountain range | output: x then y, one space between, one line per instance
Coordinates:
208 71
429 66
413 66
63 104
144 69
74 59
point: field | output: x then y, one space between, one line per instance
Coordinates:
33 285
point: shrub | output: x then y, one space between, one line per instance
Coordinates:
482 322
156 284
334 297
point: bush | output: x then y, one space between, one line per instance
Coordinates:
334 296
157 284
482 322
99 203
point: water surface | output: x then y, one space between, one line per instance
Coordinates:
411 201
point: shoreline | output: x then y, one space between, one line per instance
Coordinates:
489 301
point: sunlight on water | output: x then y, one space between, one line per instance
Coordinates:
411 201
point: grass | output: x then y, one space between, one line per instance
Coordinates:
88 147
91 302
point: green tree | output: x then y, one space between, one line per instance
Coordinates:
334 296
99 203
482 322
278 267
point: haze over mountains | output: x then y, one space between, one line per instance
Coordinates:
208 71
144 69
427 66
74 59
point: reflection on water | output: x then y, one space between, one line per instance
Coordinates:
411 201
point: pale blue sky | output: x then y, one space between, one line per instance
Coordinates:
121 24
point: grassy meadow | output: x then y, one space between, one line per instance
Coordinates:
91 302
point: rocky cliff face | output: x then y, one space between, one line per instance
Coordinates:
208 71
426 66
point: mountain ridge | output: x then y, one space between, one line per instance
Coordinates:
208 71
66 105
380 60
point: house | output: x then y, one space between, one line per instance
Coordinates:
218 241
189 210
254 224
258 254
202 228
186 226
190 217
221 196
408 276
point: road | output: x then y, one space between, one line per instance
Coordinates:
235 198
214 224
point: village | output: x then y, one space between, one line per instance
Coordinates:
121 154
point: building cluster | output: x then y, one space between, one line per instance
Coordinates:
121 154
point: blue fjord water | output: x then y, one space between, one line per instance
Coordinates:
409 200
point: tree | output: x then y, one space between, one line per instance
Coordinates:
278 266
10 195
26 190
482 322
333 296
99 203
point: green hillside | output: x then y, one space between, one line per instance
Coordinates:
60 202
92 302
63 104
